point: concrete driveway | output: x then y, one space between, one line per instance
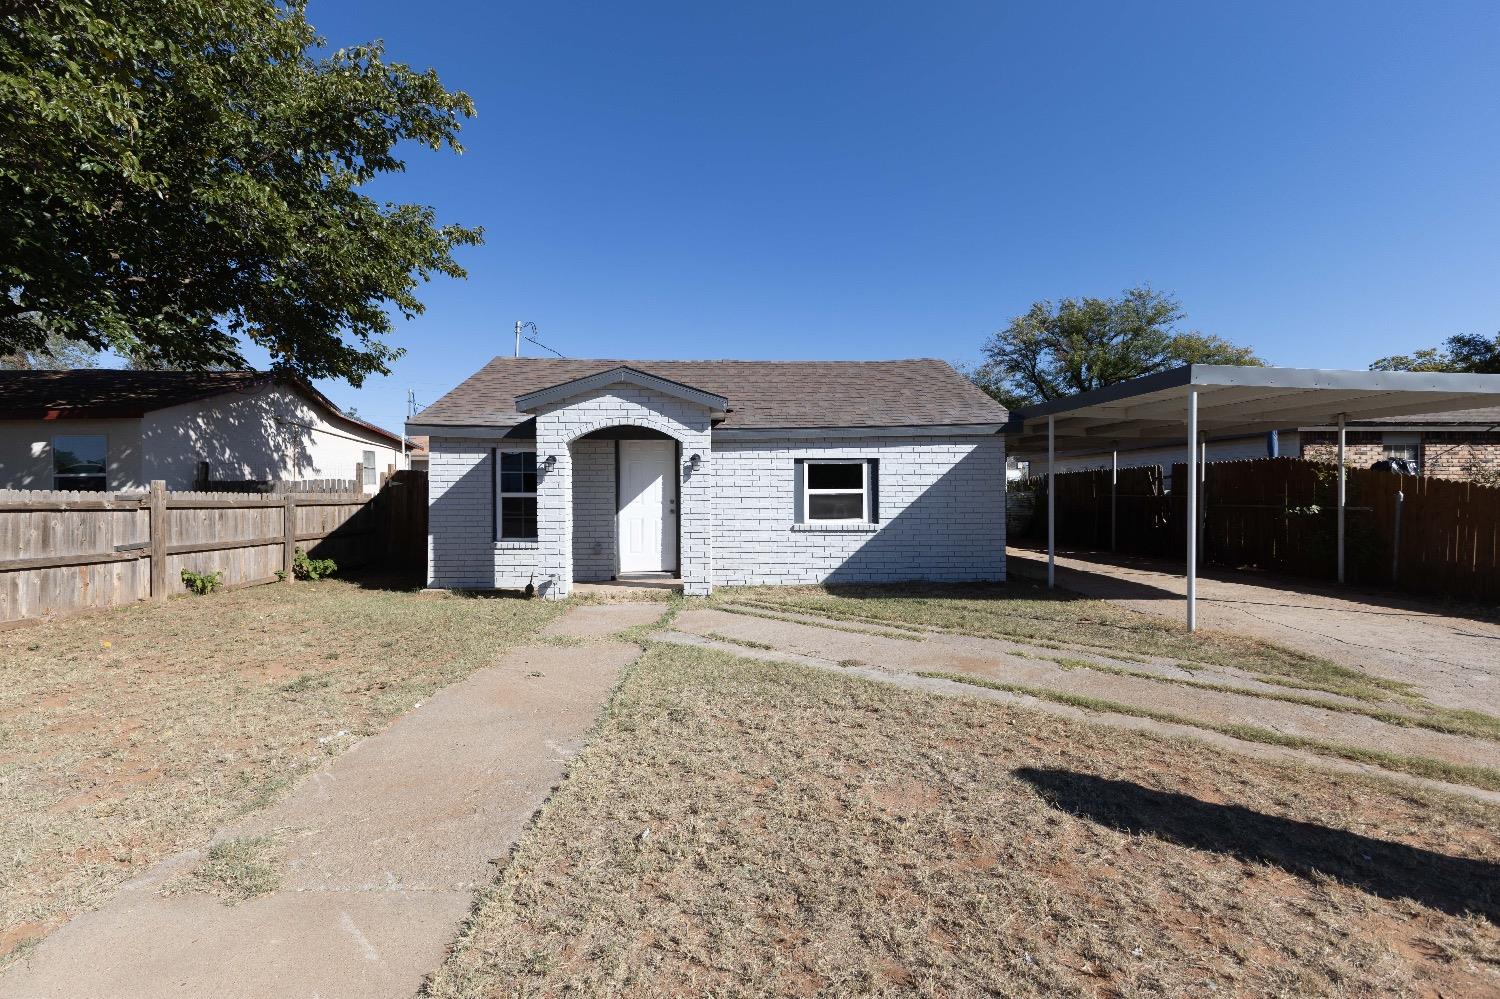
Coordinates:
1453 660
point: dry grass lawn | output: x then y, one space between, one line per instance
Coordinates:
744 828
129 735
1026 611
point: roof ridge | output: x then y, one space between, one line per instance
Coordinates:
626 361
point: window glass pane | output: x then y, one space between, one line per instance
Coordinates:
518 472
78 455
835 506
1410 453
822 476
518 517
369 469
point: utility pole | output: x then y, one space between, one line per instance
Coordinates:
518 338
411 410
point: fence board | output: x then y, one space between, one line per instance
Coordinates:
66 551
1280 514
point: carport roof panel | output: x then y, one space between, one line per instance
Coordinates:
1235 399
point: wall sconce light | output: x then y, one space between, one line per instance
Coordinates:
695 461
549 462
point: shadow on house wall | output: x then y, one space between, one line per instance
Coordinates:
461 521
266 435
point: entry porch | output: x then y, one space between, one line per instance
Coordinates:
623 481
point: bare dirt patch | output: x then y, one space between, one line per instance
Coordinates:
131 735
750 828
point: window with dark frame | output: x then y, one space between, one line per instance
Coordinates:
80 463
517 491
837 491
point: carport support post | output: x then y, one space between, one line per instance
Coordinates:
1051 502
1192 510
1341 497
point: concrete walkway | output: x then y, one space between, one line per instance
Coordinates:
951 688
1453 661
382 850
1251 703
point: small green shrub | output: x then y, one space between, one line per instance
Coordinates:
312 568
203 583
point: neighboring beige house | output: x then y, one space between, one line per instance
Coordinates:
96 429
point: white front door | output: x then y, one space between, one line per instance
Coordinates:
648 506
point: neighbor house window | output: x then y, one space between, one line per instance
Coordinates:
1411 453
369 471
517 496
837 491
79 463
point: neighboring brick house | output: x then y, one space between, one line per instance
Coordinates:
548 471
1459 445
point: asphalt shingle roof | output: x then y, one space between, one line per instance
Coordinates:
110 393
1490 415
761 394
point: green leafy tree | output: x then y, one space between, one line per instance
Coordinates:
1078 344
1464 352
54 352
179 179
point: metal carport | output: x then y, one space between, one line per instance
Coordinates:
1186 405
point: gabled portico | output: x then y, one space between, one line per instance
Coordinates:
654 434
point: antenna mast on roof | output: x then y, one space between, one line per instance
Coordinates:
520 333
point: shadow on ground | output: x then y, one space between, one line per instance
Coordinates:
1028 563
1455 885
1014 589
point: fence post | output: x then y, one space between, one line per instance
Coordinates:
288 536
158 527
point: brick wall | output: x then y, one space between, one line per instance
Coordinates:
558 425
462 551
1361 449
941 501
1462 455
594 532
1459 455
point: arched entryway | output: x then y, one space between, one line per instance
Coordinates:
626 504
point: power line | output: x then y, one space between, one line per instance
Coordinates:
544 346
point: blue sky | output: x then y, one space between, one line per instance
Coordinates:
871 180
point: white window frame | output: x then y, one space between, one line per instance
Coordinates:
501 495
52 452
1414 447
369 470
808 492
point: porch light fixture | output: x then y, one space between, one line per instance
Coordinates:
695 461
549 461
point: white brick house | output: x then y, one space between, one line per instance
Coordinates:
547 472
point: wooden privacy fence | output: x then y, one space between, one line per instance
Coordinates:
62 552
1420 534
